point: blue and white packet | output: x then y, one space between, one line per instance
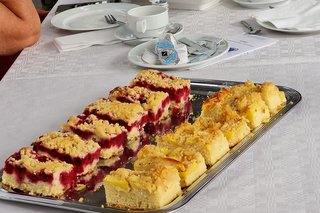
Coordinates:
169 51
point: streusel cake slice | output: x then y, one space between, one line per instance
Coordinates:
242 98
156 103
152 189
190 164
178 89
211 144
130 115
274 98
69 147
38 174
233 126
111 137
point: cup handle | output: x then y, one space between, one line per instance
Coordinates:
141 26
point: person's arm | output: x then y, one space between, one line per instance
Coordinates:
19 25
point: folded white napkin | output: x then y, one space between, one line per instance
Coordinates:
297 15
84 40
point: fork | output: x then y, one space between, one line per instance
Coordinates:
251 29
112 20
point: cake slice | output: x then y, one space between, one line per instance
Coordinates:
69 147
211 144
177 88
270 94
233 126
130 115
253 108
245 99
190 164
274 98
37 174
146 190
111 137
156 103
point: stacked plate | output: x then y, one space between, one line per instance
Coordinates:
298 16
260 4
91 17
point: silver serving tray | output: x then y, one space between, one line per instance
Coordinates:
200 89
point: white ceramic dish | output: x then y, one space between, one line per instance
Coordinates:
124 34
135 55
192 4
184 4
260 5
90 17
269 26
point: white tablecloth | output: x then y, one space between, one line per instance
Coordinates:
279 173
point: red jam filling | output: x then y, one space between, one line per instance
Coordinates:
160 127
117 141
181 115
105 143
153 117
68 179
22 173
79 163
144 140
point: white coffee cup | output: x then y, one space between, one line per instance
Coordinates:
147 21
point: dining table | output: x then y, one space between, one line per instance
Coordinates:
278 173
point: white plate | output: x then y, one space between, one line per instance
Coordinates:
260 5
135 54
123 33
270 26
91 17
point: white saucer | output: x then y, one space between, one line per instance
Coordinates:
90 17
135 54
260 5
270 26
124 34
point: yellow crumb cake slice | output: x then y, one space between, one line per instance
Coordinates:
273 97
270 93
152 189
252 107
69 147
211 144
233 126
190 164
245 99
38 174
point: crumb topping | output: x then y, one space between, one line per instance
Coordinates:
151 180
179 153
159 79
98 127
149 99
187 135
67 143
128 112
132 94
36 163
152 150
